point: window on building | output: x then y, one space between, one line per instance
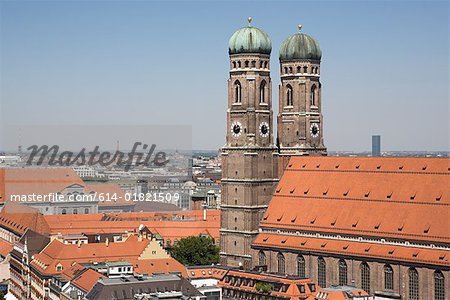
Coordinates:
313 95
281 264
237 91
289 95
262 92
413 284
321 273
262 258
64 211
301 266
439 287
75 211
86 210
365 276
342 272
388 277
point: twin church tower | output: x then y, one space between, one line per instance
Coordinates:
252 159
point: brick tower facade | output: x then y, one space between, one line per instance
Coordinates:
249 158
300 129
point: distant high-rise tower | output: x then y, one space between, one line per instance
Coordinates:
300 126
249 157
376 145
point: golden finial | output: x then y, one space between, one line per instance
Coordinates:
299 27
249 21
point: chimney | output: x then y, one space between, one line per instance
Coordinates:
107 242
79 243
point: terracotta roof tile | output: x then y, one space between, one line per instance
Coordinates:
383 197
433 256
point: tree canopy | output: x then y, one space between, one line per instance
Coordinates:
195 251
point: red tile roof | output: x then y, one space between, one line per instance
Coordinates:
86 280
18 218
206 272
354 248
69 255
169 225
292 290
5 247
396 198
41 181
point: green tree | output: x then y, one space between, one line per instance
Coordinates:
195 251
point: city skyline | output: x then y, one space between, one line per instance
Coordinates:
141 63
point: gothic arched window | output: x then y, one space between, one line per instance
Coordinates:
262 92
365 277
281 264
313 95
439 287
413 284
388 277
342 272
322 272
289 95
237 91
262 258
301 266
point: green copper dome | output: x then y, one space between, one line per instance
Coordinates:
249 40
300 46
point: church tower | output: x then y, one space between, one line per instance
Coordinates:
300 126
249 157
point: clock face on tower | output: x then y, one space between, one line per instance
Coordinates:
314 130
236 129
264 129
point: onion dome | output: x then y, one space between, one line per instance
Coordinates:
300 46
249 40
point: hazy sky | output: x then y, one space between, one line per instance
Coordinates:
385 65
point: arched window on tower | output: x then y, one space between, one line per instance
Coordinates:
322 272
301 266
262 92
289 101
365 277
237 91
313 95
262 258
413 284
439 285
234 65
281 264
388 278
342 272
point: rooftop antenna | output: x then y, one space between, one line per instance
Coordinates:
299 27
19 147
117 145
